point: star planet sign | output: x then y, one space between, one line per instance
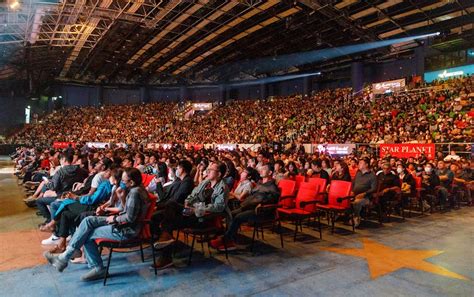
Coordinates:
383 259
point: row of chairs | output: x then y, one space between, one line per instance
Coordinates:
300 200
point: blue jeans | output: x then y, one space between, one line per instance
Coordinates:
90 229
42 205
53 207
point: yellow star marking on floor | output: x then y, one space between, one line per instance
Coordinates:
383 259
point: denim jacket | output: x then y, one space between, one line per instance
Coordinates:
219 196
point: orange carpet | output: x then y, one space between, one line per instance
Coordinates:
21 249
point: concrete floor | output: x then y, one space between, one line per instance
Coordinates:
422 256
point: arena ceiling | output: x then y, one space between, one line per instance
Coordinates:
169 41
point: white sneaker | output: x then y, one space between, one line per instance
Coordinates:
51 240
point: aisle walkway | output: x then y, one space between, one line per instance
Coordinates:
423 256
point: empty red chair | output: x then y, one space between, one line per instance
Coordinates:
305 206
145 236
339 201
319 182
287 193
299 179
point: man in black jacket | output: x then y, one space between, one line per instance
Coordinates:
62 181
266 192
318 171
171 204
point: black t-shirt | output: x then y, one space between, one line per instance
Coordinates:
385 181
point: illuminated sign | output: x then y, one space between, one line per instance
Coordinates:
202 106
98 145
388 86
449 73
226 147
335 149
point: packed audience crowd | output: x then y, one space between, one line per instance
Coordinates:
85 194
438 113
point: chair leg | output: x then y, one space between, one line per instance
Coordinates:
253 236
192 249
333 219
224 240
202 244
281 233
108 265
141 252
380 213
319 226
153 255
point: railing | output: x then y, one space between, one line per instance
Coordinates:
464 149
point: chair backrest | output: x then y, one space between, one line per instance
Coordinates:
337 190
307 194
417 181
287 187
320 182
146 231
299 179
146 179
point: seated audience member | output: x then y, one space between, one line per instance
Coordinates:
61 182
100 168
181 186
266 192
430 182
245 185
353 168
212 191
364 186
68 211
446 177
340 171
279 173
388 186
452 157
85 187
318 171
292 170
326 165
123 226
464 179
231 175
408 183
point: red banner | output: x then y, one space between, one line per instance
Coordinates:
63 144
406 150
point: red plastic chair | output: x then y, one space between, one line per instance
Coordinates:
287 189
319 182
305 206
145 236
339 201
299 179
